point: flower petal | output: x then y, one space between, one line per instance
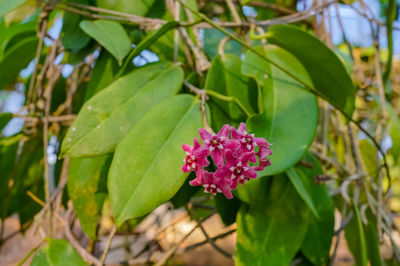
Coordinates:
242 127
231 144
187 148
224 131
222 173
196 144
235 134
218 156
204 134
203 151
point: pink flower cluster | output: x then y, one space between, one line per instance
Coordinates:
231 156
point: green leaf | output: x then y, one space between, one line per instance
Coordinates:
109 115
87 188
6 6
227 208
394 132
4 119
110 34
225 77
72 37
7 159
14 34
318 239
368 153
254 191
16 59
326 70
354 234
374 253
290 113
58 253
146 169
146 42
182 197
300 182
271 231
103 74
134 7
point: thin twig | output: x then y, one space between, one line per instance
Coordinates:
191 247
111 236
81 250
234 12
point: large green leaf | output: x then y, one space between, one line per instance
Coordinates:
58 253
146 42
134 7
290 113
87 188
318 239
254 191
74 38
355 236
146 169
324 67
16 59
271 231
110 34
103 74
301 183
14 34
109 115
4 119
7 6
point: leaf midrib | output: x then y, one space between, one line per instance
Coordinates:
122 103
159 152
282 198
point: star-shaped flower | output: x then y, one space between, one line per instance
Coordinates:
192 162
216 144
248 142
213 185
237 169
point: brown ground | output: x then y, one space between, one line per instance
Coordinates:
19 246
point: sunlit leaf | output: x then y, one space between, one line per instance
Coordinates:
110 34
326 70
301 183
109 115
58 253
271 231
7 6
134 7
146 169
87 188
290 113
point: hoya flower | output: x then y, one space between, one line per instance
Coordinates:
264 151
247 141
216 144
192 162
213 185
237 168
263 163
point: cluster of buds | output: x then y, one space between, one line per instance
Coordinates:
231 156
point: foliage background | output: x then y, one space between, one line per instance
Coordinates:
109 90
